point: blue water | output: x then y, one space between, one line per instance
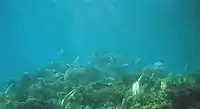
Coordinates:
33 32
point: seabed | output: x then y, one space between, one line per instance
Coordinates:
103 83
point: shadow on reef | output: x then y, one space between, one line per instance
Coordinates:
104 83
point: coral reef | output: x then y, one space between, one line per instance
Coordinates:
104 83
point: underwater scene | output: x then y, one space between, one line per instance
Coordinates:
100 54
